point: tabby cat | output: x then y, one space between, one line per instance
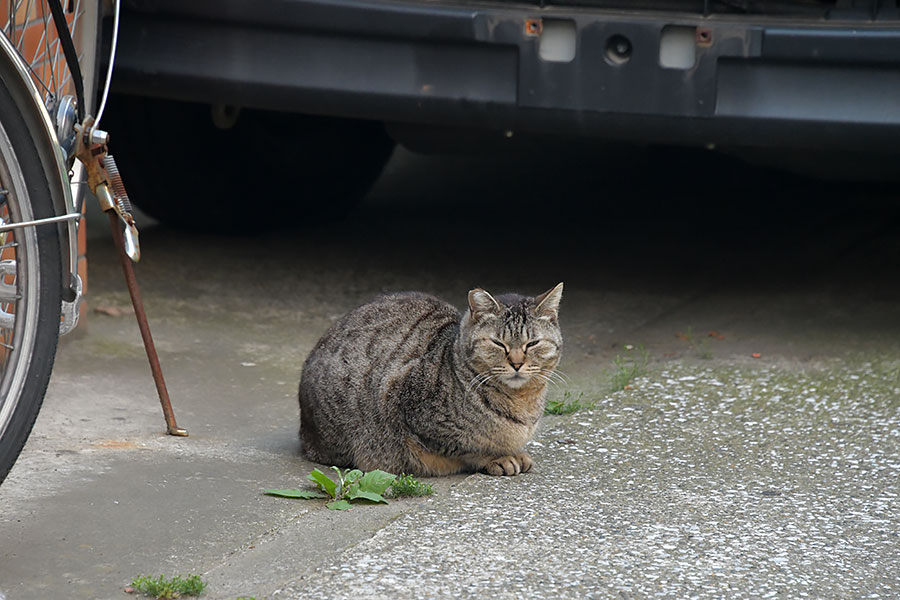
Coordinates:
408 385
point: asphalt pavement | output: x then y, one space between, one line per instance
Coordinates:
733 333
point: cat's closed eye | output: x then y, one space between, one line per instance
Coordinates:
542 348
499 343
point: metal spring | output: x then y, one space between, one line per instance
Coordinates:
115 181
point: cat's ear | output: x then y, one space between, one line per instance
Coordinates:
547 304
482 304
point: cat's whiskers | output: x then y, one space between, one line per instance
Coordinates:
480 379
558 378
548 380
477 379
563 378
491 377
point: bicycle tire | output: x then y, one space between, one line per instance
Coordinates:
29 344
28 339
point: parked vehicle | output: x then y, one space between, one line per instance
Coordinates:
801 77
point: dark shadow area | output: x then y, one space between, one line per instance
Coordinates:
648 223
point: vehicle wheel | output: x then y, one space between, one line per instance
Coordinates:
30 284
212 168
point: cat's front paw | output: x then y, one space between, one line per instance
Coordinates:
509 465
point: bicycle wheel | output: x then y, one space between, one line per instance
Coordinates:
30 290
31 282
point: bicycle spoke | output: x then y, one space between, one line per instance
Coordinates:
21 41
67 77
53 63
37 78
40 45
13 11
45 40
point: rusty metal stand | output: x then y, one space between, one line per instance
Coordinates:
131 281
106 183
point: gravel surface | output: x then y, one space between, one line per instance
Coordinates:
736 481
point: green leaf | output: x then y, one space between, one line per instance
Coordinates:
353 476
338 471
306 494
323 481
370 496
376 481
339 505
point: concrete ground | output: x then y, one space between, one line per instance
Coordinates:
755 452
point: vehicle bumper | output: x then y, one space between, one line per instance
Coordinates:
755 81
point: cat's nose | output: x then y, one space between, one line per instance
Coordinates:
516 365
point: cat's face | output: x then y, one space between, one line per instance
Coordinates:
513 340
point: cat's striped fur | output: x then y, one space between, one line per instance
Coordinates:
408 385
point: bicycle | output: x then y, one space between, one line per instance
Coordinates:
51 147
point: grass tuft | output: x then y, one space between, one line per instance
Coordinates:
628 369
167 589
568 404
408 486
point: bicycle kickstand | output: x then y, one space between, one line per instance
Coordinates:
106 184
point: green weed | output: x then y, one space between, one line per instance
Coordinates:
407 486
568 404
629 368
165 588
353 485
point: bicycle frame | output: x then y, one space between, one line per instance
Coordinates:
18 80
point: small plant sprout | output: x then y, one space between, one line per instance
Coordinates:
568 404
353 485
627 369
166 588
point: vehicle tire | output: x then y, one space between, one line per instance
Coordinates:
30 284
209 168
